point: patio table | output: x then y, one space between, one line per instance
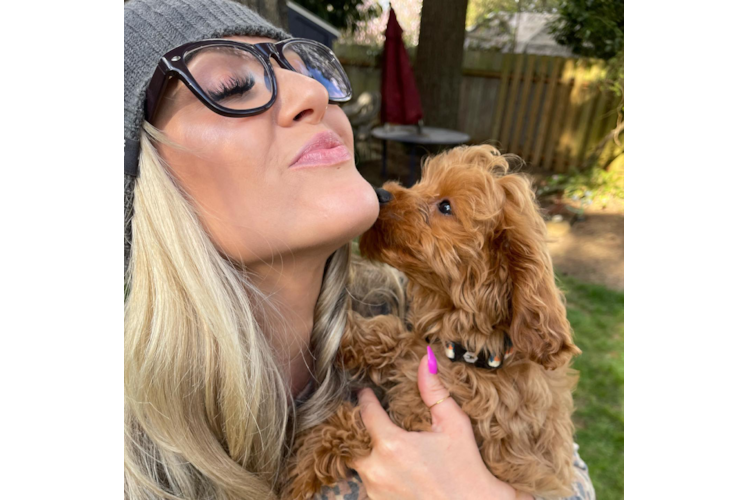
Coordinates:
410 134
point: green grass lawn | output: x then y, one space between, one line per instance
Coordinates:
596 315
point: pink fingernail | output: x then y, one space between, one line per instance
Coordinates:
433 368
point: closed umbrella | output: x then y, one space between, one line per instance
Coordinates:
400 100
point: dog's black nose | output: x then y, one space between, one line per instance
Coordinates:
383 196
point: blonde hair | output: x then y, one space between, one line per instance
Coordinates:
207 412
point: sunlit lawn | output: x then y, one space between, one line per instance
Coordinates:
596 314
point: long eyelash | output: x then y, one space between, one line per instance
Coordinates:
232 87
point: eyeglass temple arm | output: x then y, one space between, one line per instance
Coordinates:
155 89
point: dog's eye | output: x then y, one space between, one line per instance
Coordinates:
445 207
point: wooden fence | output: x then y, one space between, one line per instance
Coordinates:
551 111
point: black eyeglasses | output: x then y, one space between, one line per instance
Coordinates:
236 79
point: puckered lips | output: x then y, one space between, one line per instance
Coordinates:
324 148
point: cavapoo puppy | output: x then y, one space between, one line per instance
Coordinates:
472 243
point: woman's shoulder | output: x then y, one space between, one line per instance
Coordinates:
350 488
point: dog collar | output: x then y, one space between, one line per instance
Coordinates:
483 359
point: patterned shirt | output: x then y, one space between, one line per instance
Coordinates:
352 488
583 489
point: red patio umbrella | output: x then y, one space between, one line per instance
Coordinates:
400 100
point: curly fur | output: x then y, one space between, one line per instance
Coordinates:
473 277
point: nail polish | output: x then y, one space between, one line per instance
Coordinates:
432 361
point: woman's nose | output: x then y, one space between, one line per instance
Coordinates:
299 98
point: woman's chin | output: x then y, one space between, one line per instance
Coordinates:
358 209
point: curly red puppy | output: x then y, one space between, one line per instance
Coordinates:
471 240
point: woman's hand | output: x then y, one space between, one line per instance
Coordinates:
442 464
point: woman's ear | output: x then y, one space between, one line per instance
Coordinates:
539 326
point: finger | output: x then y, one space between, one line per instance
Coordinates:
378 424
446 415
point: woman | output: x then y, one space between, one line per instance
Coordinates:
241 199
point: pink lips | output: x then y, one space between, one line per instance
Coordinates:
324 148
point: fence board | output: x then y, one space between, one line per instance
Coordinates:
489 89
477 130
566 137
547 112
598 120
590 98
506 70
512 98
562 100
516 129
544 64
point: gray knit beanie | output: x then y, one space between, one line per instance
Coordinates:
152 28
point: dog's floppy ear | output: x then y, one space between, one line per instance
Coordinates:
539 326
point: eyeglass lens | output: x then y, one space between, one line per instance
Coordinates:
236 79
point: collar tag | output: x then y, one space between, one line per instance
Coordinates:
489 361
132 157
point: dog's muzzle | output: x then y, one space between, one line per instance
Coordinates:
383 196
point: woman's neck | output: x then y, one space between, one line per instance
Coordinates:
292 289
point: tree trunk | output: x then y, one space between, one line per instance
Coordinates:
438 66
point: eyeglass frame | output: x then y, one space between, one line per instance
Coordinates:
172 64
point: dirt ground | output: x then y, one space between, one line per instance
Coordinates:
590 250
